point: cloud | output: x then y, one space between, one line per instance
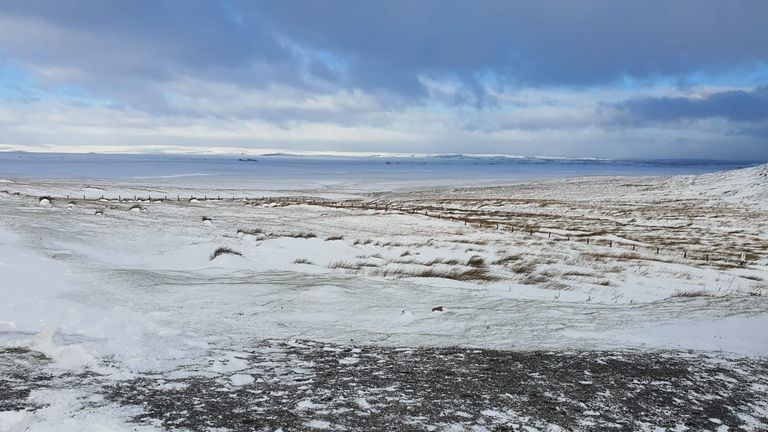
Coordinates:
456 76
388 46
734 105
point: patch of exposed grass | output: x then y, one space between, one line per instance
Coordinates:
534 279
250 231
335 237
691 293
222 250
302 261
476 261
524 268
303 235
346 265
508 258
469 275
578 273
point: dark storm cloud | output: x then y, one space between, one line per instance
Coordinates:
529 42
388 45
736 106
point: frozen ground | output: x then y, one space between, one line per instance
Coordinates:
576 304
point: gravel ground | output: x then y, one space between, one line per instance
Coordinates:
305 385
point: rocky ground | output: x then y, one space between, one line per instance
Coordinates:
305 385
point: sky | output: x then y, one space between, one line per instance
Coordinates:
569 78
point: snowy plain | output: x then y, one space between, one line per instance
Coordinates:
120 287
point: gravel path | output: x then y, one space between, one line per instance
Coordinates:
308 385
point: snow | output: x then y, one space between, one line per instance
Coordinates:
241 379
136 290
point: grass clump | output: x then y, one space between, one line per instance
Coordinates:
524 268
223 250
691 294
302 261
346 265
303 235
476 261
334 237
469 275
508 258
250 231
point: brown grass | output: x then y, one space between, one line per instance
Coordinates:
336 237
476 261
524 268
534 279
691 293
469 275
250 231
508 258
222 250
346 265
303 235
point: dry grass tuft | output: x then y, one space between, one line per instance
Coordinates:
508 258
335 237
534 279
691 293
524 268
222 250
346 265
469 275
250 231
302 261
303 235
476 261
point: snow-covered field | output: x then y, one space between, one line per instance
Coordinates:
129 305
